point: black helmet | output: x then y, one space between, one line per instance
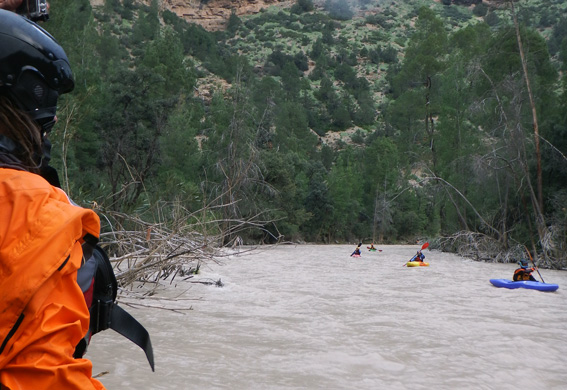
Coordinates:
34 69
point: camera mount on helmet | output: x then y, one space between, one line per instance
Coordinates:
34 69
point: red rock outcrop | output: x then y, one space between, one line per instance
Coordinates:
213 14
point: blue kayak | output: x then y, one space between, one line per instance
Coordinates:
524 284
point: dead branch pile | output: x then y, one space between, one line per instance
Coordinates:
143 252
479 247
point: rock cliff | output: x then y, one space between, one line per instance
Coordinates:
213 14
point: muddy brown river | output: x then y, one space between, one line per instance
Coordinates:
312 317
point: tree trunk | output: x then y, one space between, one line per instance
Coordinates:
533 108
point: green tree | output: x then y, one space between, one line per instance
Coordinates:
164 56
147 26
302 6
347 194
234 23
381 177
234 170
178 173
415 86
290 81
292 131
339 10
284 172
318 204
130 124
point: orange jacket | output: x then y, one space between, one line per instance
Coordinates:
43 314
523 274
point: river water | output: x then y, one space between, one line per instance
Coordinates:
312 317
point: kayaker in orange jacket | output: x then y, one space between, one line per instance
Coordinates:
43 311
524 272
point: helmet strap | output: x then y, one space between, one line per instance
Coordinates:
46 171
8 145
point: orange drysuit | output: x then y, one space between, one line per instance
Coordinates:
43 314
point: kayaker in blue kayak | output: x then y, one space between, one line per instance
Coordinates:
524 272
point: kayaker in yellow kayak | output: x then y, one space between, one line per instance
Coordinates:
418 257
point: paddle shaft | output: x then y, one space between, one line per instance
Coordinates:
537 269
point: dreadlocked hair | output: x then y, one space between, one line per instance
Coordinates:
20 128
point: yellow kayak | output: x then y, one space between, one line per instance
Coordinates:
417 264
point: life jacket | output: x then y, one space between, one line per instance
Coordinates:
522 274
418 257
98 283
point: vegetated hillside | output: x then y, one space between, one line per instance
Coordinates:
213 15
367 37
389 121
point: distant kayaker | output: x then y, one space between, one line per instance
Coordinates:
371 247
418 257
356 251
524 272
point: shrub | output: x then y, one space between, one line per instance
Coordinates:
339 10
480 10
302 6
357 137
492 19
